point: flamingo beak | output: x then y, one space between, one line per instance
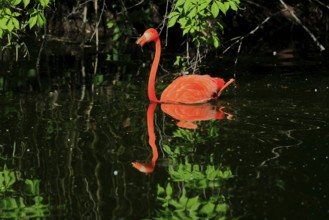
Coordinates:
144 168
141 41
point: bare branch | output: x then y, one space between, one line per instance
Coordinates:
322 48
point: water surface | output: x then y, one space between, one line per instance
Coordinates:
260 152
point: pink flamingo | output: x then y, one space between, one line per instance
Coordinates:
187 89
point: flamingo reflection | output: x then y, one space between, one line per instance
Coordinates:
149 167
187 116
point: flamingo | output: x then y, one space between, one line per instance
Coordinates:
187 115
149 167
187 89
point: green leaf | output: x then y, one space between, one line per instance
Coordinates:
233 6
160 190
16 23
192 13
216 45
207 209
44 3
26 2
227 5
10 25
214 10
7 11
179 3
3 23
187 6
16 2
172 14
182 22
172 21
222 7
15 14
203 5
193 202
32 21
221 208
168 189
40 20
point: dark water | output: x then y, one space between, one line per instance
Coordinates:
260 152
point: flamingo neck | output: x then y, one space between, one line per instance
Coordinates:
151 132
154 68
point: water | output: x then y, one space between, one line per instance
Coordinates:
260 152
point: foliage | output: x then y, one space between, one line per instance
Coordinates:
28 204
189 207
201 19
196 175
184 197
188 135
15 17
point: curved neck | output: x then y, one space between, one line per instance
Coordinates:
154 68
151 132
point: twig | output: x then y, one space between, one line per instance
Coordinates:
99 19
322 48
135 5
320 3
241 38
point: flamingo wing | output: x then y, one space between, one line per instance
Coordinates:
191 89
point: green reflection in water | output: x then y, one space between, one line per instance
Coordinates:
20 197
195 189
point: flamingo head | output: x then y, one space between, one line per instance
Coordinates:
143 167
149 35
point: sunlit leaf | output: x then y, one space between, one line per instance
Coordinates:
32 21
3 23
203 5
172 21
40 21
180 2
221 7
182 22
26 2
227 5
7 11
187 6
214 9
10 25
233 6
15 14
173 13
192 13
44 3
16 2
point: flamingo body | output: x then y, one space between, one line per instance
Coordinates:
187 115
191 89
188 89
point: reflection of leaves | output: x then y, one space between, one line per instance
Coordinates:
16 207
197 176
7 179
32 186
189 207
188 135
